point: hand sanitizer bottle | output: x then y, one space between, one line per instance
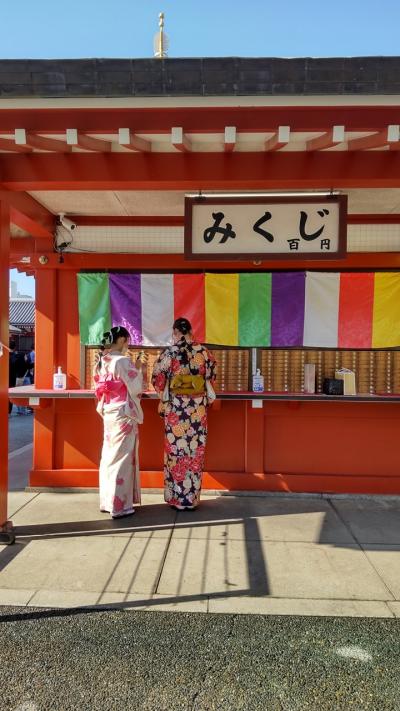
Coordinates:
59 380
258 382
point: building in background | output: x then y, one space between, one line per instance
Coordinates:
15 294
22 322
97 159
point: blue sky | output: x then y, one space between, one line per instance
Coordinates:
25 284
125 28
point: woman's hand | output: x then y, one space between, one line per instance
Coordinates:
141 362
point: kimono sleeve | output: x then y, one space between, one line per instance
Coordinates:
210 375
161 372
211 366
129 375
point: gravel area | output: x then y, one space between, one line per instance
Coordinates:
152 661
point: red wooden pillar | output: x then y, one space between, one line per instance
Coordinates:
4 299
46 362
67 327
57 344
45 334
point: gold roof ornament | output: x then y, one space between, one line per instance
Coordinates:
161 42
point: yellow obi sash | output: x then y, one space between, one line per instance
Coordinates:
193 385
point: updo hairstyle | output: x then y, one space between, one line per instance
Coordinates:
182 325
111 337
185 348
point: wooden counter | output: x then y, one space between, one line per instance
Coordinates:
29 391
256 441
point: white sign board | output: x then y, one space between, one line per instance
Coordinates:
265 227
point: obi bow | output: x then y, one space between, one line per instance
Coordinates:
110 390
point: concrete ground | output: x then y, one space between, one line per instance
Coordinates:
237 554
20 430
20 434
272 554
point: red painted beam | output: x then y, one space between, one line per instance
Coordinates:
200 119
374 219
179 221
29 225
22 245
47 144
28 214
274 144
128 220
74 138
194 171
279 140
132 142
177 262
375 140
27 245
331 138
7 144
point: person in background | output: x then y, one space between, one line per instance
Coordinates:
30 359
20 369
12 370
118 387
183 376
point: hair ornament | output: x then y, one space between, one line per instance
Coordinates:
107 338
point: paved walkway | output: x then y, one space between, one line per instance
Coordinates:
237 554
20 448
20 430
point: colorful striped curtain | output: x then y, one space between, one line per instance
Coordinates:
279 309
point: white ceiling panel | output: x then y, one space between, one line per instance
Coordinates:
166 203
152 202
17 232
80 202
374 201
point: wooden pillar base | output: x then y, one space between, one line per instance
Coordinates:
7 533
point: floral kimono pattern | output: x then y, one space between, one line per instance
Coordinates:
118 386
185 421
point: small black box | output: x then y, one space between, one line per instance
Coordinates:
332 386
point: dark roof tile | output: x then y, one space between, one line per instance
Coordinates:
22 312
226 76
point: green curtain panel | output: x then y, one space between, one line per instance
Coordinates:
94 307
255 310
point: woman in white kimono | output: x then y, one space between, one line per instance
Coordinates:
118 386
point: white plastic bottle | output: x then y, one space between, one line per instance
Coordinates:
59 380
258 382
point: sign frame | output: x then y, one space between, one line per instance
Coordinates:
191 201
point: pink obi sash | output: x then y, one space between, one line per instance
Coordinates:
112 390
